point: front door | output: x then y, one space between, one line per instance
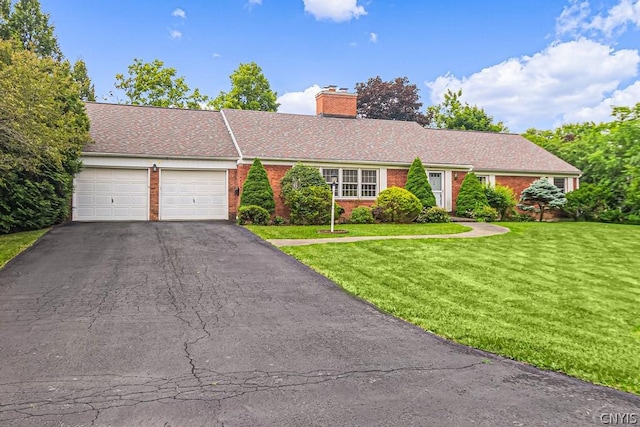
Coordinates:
435 180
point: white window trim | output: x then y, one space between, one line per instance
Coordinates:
339 195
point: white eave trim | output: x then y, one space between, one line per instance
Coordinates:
233 137
398 165
153 156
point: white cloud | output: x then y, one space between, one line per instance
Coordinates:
335 10
217 55
353 44
560 83
576 19
628 96
179 13
175 34
253 2
373 37
299 102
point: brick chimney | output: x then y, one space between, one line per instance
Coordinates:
333 102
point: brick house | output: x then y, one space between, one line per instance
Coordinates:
149 163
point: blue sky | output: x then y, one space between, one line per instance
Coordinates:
528 63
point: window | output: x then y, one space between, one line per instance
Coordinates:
353 183
484 179
560 183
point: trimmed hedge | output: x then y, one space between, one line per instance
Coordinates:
433 214
253 214
361 215
257 190
418 184
396 205
471 196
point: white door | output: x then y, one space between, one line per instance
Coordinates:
193 195
435 180
111 195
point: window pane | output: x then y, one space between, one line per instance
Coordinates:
369 177
350 176
559 182
482 179
349 190
328 173
369 184
435 180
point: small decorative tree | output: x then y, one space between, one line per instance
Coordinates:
307 195
542 196
418 184
471 196
257 190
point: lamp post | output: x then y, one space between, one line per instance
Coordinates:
334 186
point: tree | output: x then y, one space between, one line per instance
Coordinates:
43 128
393 100
30 27
471 196
452 114
81 77
418 184
301 176
257 189
250 90
307 195
541 196
152 84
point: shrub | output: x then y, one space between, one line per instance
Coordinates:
361 215
484 214
418 184
257 190
397 205
587 202
611 215
518 217
433 214
502 199
253 214
541 196
299 177
278 220
471 195
310 205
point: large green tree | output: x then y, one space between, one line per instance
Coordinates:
608 154
257 190
81 77
151 83
453 114
26 24
250 90
397 99
43 127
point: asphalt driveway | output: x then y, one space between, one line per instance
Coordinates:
194 324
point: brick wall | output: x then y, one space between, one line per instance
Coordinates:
275 174
397 177
233 199
154 194
517 183
330 103
456 183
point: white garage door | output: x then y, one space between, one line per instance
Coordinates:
193 195
111 195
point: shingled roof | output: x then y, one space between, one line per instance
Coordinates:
297 137
134 130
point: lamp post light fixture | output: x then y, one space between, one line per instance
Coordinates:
334 187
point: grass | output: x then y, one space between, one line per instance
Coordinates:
561 296
311 231
12 244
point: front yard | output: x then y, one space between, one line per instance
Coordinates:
12 244
561 296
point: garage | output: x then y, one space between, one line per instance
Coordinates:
193 195
103 194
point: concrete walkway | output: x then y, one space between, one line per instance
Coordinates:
478 229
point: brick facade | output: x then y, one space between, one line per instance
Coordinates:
330 103
517 183
154 194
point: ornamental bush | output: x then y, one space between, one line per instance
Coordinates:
541 196
484 214
299 177
587 202
253 214
310 205
396 205
361 215
471 196
418 184
502 199
433 214
257 190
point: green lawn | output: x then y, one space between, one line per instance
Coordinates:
12 244
311 231
561 296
